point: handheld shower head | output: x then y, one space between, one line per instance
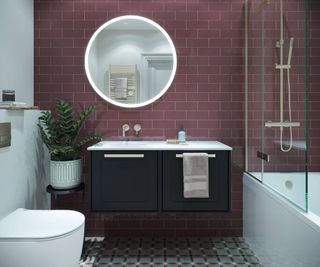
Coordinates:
290 50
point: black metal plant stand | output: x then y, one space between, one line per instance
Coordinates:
56 192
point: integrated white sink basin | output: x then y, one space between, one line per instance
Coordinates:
159 145
125 143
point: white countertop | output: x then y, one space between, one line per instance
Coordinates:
158 145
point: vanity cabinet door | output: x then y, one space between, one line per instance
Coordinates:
124 180
173 199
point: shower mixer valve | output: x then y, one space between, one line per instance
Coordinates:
285 67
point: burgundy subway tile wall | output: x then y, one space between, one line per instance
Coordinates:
206 96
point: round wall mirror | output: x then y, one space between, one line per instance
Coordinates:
130 61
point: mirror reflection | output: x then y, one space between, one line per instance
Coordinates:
130 61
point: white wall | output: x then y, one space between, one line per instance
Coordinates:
16 48
280 234
24 165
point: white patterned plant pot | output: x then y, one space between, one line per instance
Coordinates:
65 174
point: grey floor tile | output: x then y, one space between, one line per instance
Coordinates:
207 246
210 252
133 252
184 251
132 259
158 245
107 252
105 260
185 258
235 252
219 245
252 259
225 259
118 259
172 259
222 252
212 259
110 246
231 245
146 251
228 239
238 259
159 259
196 251
243 245
171 245
171 251
195 246
247 252
120 252
239 239
145 259
183 245
159 251
198 259
187 252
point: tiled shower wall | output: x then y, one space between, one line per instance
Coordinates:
314 90
264 85
295 15
206 96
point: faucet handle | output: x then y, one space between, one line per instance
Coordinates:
125 128
137 128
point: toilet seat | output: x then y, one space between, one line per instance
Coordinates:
23 224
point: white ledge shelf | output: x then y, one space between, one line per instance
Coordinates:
12 107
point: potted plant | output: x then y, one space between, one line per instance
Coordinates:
60 132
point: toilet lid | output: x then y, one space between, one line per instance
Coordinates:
38 224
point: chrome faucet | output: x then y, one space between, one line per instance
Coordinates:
125 128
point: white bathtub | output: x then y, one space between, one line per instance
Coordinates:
292 186
281 234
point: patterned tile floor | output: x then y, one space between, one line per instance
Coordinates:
156 252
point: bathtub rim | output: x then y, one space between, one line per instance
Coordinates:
308 217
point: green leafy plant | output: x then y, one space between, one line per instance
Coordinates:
61 132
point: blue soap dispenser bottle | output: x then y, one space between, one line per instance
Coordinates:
182 135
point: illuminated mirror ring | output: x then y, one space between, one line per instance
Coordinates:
130 61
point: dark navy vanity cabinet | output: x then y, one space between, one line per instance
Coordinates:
172 179
152 180
124 181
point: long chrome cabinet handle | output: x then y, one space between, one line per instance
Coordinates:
209 156
115 156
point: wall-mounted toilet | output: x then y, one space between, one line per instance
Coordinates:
38 238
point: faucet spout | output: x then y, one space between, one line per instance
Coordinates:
125 128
